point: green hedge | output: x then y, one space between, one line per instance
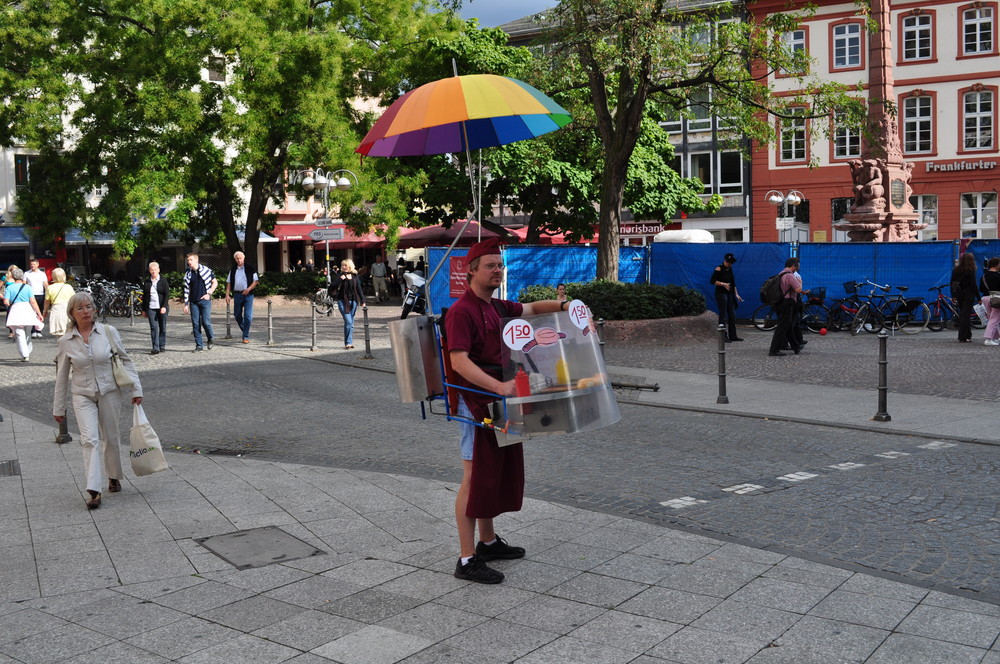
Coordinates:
271 283
614 300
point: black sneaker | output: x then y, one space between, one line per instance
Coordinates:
499 550
477 571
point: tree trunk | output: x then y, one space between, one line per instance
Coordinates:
612 193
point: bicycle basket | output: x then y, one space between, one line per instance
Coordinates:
850 287
817 295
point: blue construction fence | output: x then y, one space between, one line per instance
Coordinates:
917 265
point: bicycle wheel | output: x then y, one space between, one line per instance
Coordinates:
912 317
938 318
815 317
859 320
765 318
875 321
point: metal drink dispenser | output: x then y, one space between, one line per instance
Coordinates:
415 352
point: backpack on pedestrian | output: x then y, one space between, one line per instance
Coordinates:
770 291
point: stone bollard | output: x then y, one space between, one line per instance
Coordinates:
883 379
229 319
63 435
722 366
313 347
270 325
368 341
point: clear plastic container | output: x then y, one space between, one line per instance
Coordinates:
569 386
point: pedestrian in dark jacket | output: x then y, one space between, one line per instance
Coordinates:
965 291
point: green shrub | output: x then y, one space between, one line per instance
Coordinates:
614 300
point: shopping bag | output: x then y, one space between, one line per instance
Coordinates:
980 311
145 453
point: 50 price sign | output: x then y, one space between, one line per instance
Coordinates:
579 314
518 332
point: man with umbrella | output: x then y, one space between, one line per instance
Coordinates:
492 476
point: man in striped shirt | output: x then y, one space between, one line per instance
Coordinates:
199 284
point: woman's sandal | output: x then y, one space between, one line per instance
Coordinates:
95 500
114 486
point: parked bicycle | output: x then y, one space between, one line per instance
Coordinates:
842 310
896 312
944 312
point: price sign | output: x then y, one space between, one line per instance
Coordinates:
518 332
579 314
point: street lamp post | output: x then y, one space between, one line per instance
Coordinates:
316 180
777 199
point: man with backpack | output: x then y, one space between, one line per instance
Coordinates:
786 307
726 295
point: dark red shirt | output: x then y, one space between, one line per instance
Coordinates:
475 326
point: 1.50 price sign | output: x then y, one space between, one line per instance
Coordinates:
518 332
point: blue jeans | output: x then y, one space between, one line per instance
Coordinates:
348 321
201 314
243 312
157 328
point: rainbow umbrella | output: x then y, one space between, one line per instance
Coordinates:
460 114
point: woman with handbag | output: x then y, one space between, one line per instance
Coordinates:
86 374
989 286
23 315
346 290
57 296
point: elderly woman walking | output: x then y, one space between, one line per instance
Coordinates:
84 375
57 296
23 314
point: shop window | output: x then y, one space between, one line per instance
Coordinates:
926 207
979 215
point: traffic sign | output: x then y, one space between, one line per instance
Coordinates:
327 234
324 221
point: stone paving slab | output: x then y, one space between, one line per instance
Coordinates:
128 582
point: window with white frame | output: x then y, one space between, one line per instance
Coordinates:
977 31
918 34
730 173
846 139
926 207
793 137
22 169
700 166
795 44
979 215
672 123
918 128
846 45
977 119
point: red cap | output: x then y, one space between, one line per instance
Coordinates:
484 248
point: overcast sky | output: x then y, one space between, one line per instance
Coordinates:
492 13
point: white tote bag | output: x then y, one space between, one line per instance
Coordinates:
145 454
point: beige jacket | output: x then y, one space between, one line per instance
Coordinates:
91 369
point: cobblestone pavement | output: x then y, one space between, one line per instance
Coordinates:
901 506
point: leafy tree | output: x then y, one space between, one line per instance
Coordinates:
118 93
629 54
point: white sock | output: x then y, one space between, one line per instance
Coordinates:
465 561
491 542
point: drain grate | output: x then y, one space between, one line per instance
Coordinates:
10 468
258 547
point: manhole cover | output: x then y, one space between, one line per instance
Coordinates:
9 468
258 547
